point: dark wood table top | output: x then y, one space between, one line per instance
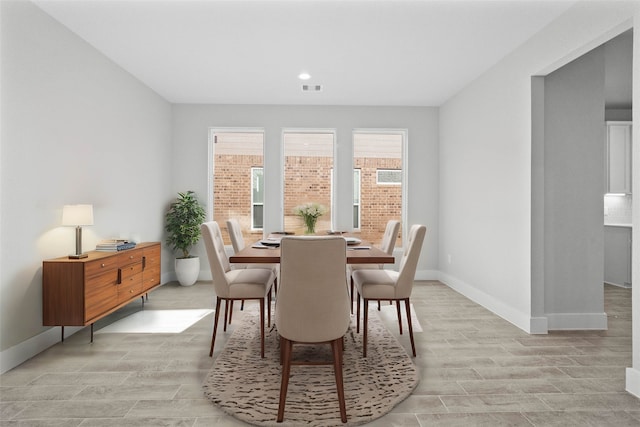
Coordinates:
363 253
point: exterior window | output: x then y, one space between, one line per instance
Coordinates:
388 177
308 166
238 180
257 198
356 199
378 157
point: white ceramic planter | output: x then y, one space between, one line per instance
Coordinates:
187 270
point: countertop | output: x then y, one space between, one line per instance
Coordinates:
619 225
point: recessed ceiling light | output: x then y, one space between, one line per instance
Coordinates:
304 76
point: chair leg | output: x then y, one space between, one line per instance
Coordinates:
215 325
226 315
358 313
269 309
413 344
262 328
241 307
378 305
285 345
399 316
230 312
351 293
364 327
336 348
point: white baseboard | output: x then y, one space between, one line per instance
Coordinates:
18 354
427 275
633 381
538 325
519 319
577 321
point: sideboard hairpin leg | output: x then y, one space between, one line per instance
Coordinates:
92 332
61 333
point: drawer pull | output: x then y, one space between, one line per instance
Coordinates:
102 265
130 291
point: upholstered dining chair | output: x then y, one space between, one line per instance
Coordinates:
391 285
387 245
229 285
237 241
313 304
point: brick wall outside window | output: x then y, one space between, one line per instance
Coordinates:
308 179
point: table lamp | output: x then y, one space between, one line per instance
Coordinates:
77 215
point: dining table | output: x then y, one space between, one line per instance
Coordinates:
267 251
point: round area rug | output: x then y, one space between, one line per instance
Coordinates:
248 387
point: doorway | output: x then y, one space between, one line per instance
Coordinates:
569 108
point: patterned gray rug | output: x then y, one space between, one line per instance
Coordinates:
248 387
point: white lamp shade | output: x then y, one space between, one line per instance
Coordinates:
74 215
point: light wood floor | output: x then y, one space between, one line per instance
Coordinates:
476 369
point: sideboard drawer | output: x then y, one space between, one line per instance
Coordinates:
152 257
101 293
130 270
101 265
150 277
130 256
130 287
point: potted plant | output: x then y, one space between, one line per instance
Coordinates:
183 227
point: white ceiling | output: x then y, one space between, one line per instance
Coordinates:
376 52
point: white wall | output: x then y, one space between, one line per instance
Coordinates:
191 124
76 128
485 158
574 158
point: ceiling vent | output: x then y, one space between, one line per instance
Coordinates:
311 88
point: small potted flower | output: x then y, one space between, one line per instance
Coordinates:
310 212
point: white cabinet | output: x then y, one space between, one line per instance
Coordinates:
618 157
617 255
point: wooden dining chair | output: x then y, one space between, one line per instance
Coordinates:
387 245
376 285
313 304
230 285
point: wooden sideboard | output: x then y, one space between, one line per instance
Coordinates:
78 292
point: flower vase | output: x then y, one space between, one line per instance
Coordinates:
310 225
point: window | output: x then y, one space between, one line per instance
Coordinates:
257 198
388 177
308 166
378 189
238 180
356 199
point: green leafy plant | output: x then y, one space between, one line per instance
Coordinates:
183 222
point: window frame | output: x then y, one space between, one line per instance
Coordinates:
254 169
378 182
332 179
212 131
404 164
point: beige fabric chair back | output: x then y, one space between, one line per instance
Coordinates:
409 261
313 302
390 236
235 233
218 260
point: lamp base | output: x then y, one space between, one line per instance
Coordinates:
78 256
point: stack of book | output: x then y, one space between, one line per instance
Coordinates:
114 245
